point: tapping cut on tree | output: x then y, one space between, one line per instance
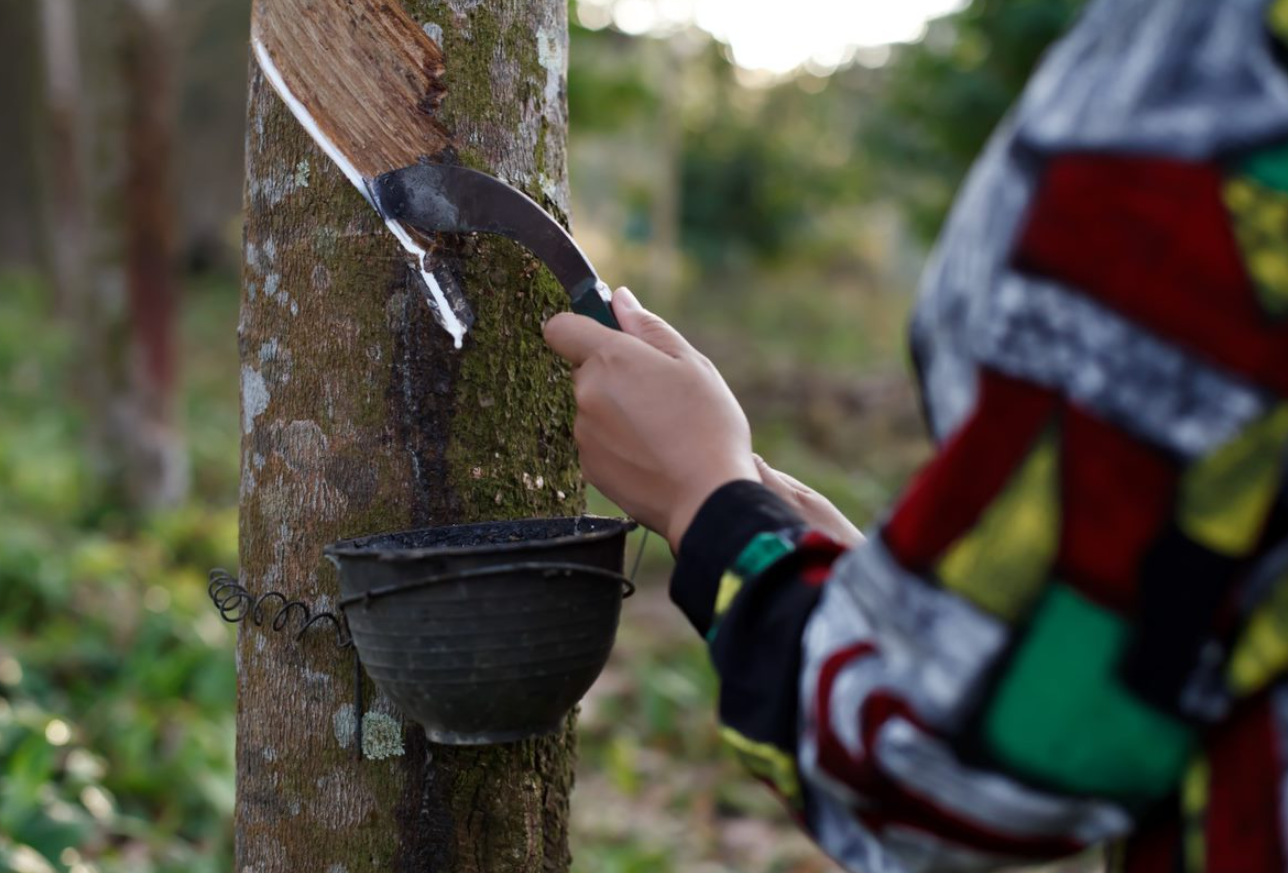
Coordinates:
366 74
366 82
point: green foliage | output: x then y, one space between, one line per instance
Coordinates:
945 95
116 677
758 169
762 170
606 91
740 200
628 856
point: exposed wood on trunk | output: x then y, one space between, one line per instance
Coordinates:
369 111
369 76
359 416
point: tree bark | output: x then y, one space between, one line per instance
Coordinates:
359 416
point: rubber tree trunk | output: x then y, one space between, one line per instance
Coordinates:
359 416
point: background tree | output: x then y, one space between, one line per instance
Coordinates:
22 107
359 416
108 159
67 218
946 93
155 465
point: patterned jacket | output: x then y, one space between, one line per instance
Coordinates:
1073 625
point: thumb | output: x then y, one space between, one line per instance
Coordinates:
644 325
576 337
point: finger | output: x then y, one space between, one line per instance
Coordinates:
844 531
782 483
792 483
776 482
816 509
639 322
575 337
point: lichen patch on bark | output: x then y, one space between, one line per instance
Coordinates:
343 725
382 736
254 393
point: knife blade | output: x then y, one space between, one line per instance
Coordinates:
445 198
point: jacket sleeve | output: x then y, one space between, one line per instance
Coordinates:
843 685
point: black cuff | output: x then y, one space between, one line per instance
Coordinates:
723 527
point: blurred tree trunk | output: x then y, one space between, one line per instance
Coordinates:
359 416
665 261
211 37
66 207
158 474
21 134
126 322
99 318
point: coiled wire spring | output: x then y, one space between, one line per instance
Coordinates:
236 604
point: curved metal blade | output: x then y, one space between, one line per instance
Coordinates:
441 198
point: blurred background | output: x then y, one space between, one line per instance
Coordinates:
767 176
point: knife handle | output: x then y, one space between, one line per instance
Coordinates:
591 305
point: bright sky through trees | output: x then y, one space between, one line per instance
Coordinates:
773 36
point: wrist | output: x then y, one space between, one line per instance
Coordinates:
726 522
695 493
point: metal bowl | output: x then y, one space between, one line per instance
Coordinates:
486 633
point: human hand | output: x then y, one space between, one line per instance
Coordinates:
815 509
657 427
